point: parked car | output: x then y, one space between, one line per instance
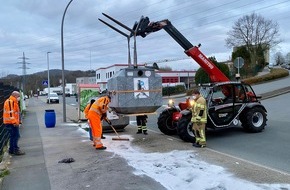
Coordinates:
52 98
286 66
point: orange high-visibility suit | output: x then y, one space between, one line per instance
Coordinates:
86 112
98 108
11 111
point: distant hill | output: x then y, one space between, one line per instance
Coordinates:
34 81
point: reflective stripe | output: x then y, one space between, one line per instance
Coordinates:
8 119
9 103
97 142
96 110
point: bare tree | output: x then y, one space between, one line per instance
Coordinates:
279 58
254 32
165 68
287 58
3 74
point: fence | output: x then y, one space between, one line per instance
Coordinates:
5 92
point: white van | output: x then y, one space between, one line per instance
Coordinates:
52 98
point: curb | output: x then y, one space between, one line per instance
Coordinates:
275 93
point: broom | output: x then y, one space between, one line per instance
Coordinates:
115 138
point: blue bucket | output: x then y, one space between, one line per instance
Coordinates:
49 118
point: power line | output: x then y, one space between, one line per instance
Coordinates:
23 67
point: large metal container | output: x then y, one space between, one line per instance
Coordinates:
135 91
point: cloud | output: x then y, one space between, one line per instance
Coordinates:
33 27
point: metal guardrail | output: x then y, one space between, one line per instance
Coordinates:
5 92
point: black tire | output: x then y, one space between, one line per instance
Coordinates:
254 120
184 130
165 123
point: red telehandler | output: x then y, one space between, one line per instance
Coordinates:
228 102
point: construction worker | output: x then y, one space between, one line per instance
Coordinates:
199 119
141 123
98 109
86 111
12 121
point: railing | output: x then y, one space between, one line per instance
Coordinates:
5 92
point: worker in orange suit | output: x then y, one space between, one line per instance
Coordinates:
86 112
98 109
12 121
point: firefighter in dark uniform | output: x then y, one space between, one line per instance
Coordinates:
141 123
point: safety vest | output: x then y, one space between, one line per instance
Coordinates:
100 106
198 106
11 111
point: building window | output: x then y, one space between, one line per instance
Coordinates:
170 79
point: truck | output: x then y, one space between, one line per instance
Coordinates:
229 102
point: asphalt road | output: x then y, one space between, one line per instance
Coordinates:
268 148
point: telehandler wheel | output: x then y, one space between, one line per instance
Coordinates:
254 120
184 130
165 123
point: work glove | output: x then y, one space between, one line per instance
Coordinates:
104 116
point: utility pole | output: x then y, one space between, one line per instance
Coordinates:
48 78
23 67
62 65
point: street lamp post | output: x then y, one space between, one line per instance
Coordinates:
62 64
48 80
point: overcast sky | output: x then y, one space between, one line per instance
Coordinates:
34 27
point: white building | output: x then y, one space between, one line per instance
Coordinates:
86 80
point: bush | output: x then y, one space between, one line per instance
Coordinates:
274 74
172 90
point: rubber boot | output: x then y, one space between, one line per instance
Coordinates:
144 129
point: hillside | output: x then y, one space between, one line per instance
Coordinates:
34 81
